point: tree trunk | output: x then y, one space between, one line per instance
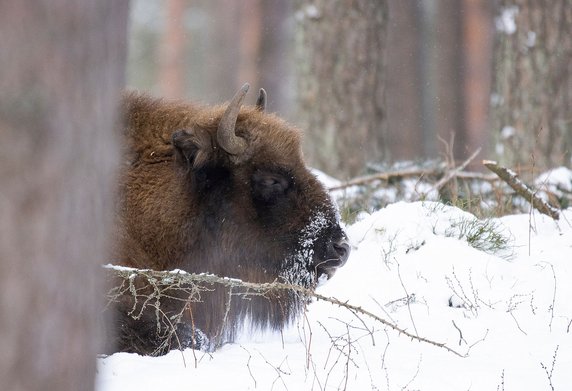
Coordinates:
174 40
61 68
250 41
477 47
404 115
340 63
276 63
532 83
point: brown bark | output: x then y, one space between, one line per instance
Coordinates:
404 119
532 82
477 38
250 39
222 55
61 68
438 77
276 63
340 64
448 100
172 54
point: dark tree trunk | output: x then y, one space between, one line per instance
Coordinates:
61 69
340 64
532 82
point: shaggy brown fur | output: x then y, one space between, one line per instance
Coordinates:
185 203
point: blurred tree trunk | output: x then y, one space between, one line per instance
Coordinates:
532 82
61 68
404 119
477 53
250 41
448 100
438 77
340 64
275 56
172 67
222 55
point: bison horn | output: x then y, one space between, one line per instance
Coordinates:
226 137
261 101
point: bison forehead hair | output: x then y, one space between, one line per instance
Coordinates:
222 190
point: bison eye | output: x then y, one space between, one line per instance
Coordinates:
268 186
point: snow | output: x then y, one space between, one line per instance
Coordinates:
557 180
325 179
297 264
530 39
505 22
505 311
507 132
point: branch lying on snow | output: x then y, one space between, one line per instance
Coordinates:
383 176
419 172
522 189
179 277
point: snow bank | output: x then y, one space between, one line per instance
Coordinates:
507 310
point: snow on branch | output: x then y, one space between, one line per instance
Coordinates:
511 178
196 283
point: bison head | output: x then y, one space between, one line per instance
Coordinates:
225 190
263 214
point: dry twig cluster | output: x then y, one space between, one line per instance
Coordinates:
453 184
194 285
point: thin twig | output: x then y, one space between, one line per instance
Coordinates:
408 300
477 342
461 339
517 324
553 297
248 365
453 173
551 371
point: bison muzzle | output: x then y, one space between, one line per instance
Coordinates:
221 190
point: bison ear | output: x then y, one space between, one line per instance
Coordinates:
261 101
192 147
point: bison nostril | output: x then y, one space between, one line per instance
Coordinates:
343 250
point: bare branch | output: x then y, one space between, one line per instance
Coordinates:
384 176
453 173
194 280
461 339
550 371
511 178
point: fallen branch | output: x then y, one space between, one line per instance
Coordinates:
477 176
511 178
418 172
180 277
415 172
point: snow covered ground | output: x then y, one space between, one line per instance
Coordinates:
430 270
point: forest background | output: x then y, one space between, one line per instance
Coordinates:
370 82
376 81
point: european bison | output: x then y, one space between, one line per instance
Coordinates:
221 190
